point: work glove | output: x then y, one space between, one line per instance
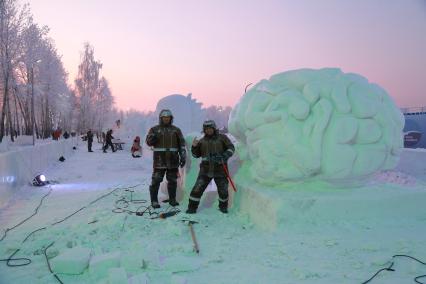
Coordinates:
226 155
216 158
152 139
182 161
195 142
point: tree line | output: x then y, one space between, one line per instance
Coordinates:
35 96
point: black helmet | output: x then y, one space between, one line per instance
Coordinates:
209 123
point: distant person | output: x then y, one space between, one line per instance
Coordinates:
214 149
89 136
103 138
66 135
136 148
169 153
108 141
56 134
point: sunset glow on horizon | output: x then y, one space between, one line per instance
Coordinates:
213 49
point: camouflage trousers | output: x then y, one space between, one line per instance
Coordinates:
200 186
157 178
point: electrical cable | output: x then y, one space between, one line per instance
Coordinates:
26 219
416 279
48 263
122 205
10 260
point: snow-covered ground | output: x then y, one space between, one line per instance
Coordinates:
126 248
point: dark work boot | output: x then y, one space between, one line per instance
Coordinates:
155 205
153 192
223 206
172 196
191 211
192 207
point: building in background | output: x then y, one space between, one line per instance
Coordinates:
415 127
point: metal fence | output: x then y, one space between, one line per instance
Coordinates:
413 110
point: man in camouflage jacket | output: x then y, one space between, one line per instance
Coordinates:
214 149
169 153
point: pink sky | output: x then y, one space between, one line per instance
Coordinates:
151 49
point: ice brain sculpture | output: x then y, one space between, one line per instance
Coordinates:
316 124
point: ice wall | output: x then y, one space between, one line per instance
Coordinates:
316 124
21 165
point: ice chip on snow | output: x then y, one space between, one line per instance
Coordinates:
117 275
139 279
316 124
71 261
100 264
178 279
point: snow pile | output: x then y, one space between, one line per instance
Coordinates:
317 124
413 162
395 177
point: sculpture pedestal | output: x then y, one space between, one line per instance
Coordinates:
317 203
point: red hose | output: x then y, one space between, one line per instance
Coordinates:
225 168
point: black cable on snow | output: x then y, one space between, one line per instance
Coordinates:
26 219
416 279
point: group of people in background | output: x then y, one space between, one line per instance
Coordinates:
56 134
106 139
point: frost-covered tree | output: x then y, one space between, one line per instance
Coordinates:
95 103
104 104
28 67
33 81
87 88
54 99
43 79
34 94
12 21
